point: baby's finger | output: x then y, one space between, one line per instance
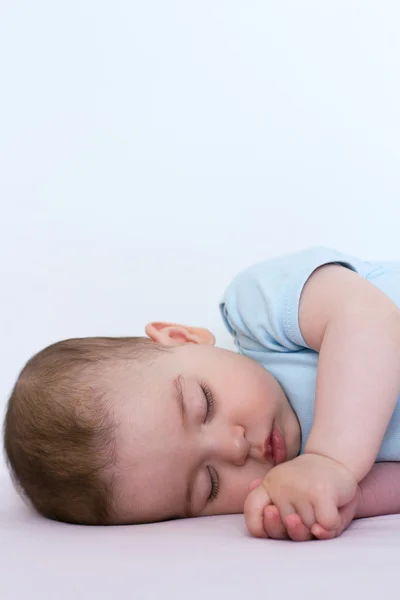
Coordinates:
255 483
285 509
346 516
253 511
305 510
327 514
296 529
321 533
273 525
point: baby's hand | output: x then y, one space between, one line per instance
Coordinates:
298 532
308 496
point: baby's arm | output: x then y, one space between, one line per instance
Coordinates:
380 491
355 328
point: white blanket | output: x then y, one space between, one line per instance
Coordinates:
205 558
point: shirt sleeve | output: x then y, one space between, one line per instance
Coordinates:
260 307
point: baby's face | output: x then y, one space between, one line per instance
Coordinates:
191 442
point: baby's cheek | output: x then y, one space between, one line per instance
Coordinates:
234 488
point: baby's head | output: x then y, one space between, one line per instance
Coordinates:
133 430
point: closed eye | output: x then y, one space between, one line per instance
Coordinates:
209 401
214 484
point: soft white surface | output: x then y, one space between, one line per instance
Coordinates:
148 151
191 559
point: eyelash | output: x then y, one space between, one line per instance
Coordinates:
214 485
210 400
210 407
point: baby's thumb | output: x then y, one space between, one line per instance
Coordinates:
255 483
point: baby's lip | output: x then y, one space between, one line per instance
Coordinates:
274 450
267 449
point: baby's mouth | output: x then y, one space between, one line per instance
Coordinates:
274 450
267 450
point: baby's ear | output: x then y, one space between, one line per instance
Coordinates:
171 334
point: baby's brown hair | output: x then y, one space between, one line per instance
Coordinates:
59 429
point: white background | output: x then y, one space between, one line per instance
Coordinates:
150 149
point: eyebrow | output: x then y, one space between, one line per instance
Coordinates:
179 398
178 394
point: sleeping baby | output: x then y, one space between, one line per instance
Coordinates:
299 429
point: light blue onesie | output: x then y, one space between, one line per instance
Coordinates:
260 309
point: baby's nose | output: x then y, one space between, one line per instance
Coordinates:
237 446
